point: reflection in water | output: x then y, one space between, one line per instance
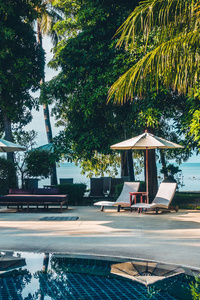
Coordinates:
49 276
10 261
42 291
13 278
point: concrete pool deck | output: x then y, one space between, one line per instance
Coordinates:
166 237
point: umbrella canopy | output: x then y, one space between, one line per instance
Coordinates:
6 146
145 141
46 147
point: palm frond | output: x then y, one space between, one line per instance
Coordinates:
158 13
48 16
174 63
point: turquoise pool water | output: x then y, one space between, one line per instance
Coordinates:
47 276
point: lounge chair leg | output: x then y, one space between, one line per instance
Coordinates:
118 208
156 210
102 208
176 208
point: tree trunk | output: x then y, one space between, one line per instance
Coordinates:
45 263
153 181
152 170
127 169
130 165
8 136
163 162
124 165
47 116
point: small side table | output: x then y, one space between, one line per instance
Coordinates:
135 194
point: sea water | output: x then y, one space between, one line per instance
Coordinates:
189 175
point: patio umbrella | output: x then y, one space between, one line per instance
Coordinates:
46 147
6 146
145 141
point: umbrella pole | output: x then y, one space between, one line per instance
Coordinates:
147 176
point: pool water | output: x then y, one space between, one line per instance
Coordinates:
47 276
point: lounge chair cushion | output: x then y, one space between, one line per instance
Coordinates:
163 197
124 197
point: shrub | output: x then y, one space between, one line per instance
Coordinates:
118 189
39 163
74 191
142 187
8 178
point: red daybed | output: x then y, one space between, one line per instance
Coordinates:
36 197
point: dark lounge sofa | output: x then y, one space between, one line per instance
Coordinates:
36 197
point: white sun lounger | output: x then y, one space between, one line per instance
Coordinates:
162 200
124 198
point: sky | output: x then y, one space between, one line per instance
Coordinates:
38 118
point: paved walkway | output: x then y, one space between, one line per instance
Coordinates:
167 237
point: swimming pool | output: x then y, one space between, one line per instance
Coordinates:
56 276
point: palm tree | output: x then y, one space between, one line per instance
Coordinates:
47 17
175 58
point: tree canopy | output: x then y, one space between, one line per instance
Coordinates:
21 61
89 64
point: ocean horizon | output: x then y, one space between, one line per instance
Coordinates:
189 176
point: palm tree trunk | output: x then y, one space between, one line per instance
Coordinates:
46 115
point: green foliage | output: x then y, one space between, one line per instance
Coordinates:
150 117
21 61
75 192
118 189
8 177
26 139
100 164
47 16
195 289
195 126
142 187
170 170
90 62
186 200
39 163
